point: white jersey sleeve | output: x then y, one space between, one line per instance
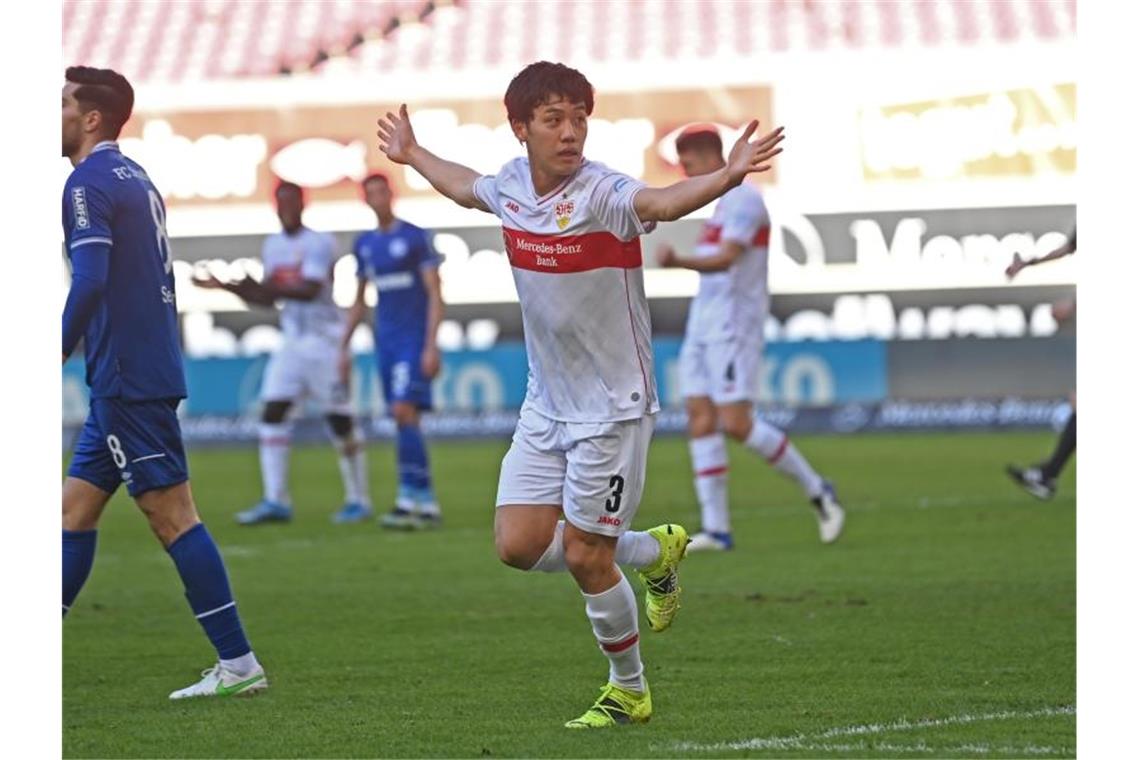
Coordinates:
486 189
733 305
319 257
611 203
744 216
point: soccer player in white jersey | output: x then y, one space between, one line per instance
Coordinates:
570 484
721 354
299 271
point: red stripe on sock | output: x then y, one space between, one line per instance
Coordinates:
621 646
712 471
779 451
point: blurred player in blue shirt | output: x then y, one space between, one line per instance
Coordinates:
399 260
122 304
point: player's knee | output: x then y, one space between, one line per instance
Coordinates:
701 417
586 556
405 414
736 427
340 424
78 516
515 551
274 412
170 511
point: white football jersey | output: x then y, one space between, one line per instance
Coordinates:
291 259
576 259
733 304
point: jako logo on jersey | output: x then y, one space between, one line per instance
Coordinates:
512 206
607 520
398 248
562 212
79 205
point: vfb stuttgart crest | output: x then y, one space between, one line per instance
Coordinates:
562 211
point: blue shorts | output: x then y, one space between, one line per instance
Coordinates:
134 442
402 375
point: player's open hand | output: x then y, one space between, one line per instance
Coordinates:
210 282
666 255
397 139
429 362
747 157
1015 266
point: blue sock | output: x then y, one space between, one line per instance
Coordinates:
412 458
208 589
78 556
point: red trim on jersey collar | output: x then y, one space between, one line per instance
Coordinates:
560 188
567 254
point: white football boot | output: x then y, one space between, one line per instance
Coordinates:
829 513
220 682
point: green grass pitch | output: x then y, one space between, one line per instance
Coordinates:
942 624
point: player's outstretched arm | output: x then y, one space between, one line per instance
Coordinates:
721 261
398 142
1018 263
666 204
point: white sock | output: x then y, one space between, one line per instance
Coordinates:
710 478
553 560
637 549
274 450
773 444
353 469
613 615
243 665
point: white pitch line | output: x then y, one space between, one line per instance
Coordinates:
924 748
801 741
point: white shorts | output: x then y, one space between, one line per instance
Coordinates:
306 368
594 470
725 371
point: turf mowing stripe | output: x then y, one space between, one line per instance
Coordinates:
800 741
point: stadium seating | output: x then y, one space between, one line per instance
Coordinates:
195 40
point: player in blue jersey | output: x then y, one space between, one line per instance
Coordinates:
121 303
399 260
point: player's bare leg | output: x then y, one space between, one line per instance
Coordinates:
738 421
524 536
273 450
83 505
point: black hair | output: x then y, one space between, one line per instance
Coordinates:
376 177
291 186
105 91
535 84
700 139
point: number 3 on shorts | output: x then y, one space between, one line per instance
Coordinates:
617 483
117 452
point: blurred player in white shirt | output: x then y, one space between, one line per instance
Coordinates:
298 271
721 355
571 230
